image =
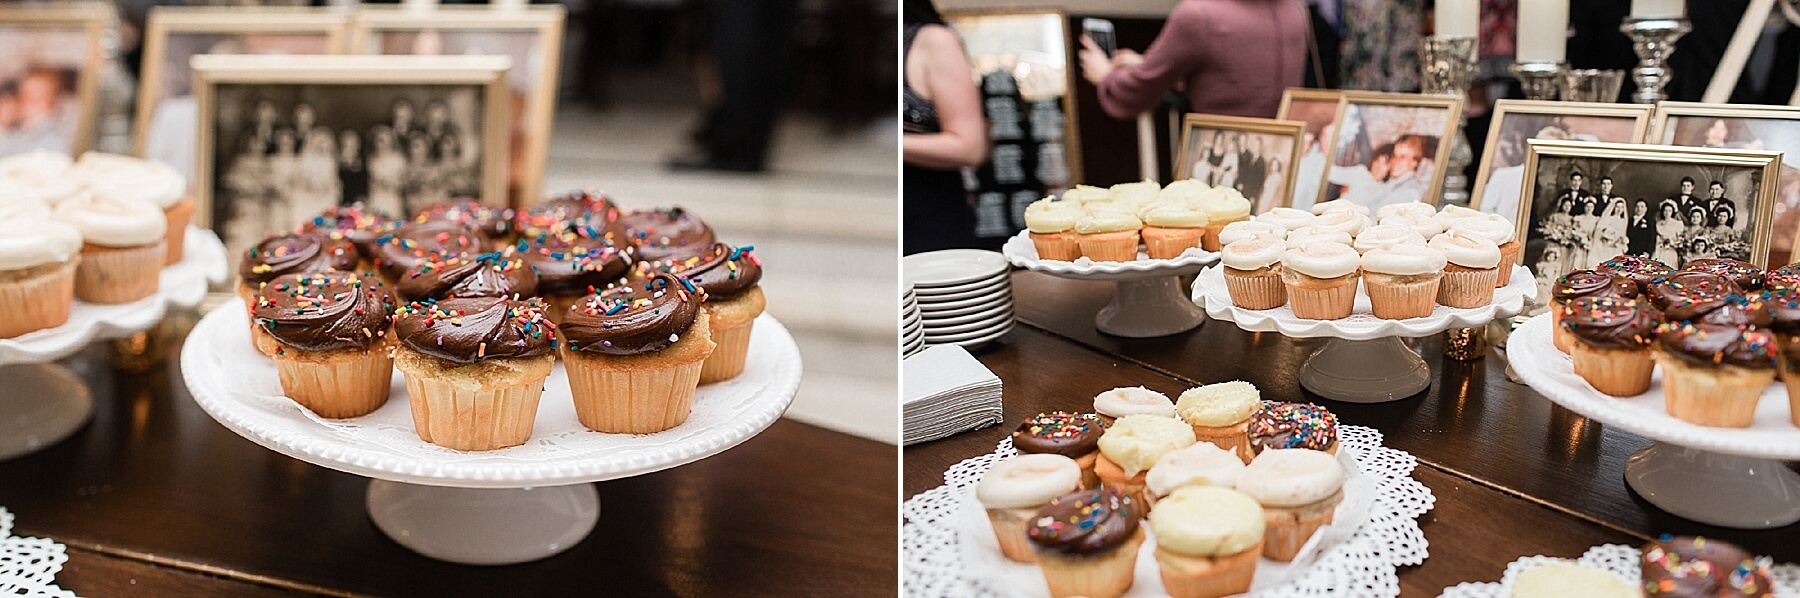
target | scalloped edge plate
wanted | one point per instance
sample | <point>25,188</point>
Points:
<point>1209,292</point>
<point>1022,253</point>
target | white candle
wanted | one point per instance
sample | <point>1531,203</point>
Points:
<point>1458,18</point>
<point>1543,30</point>
<point>1642,9</point>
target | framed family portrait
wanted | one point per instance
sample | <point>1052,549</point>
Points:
<point>1500,177</point>
<point>1389,147</point>
<point>1027,52</point>
<point>1585,202</point>
<point>396,132</point>
<point>1256,156</point>
<point>164,129</point>
<point>1317,109</point>
<point>1746,127</point>
<point>50,60</point>
<point>531,36</point>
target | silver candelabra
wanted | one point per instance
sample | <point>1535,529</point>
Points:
<point>1654,40</point>
<point>1539,79</point>
<point>1448,65</point>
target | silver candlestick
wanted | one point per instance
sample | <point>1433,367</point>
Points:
<point>1592,85</point>
<point>1654,40</point>
<point>1448,65</point>
<point>1539,79</point>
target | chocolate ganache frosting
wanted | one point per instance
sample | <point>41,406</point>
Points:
<point>354,223</point>
<point>1785,277</point>
<point>410,245</point>
<point>1060,432</point>
<point>669,233</point>
<point>475,329</point>
<point>493,222</point>
<point>299,253</point>
<point>495,274</point>
<point>576,209</point>
<point>1292,425</point>
<point>324,311</point>
<point>1087,522</point>
<point>1741,273</point>
<point>1694,567</point>
<point>1591,283</point>
<point>1641,270</point>
<point>1784,310</point>
<point>724,271</point>
<point>1611,322</point>
<point>1729,310</point>
<point>1714,344</point>
<point>569,263</point>
<point>635,319</point>
<point>1690,286</point>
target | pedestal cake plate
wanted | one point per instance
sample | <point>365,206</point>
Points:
<point>1149,301</point>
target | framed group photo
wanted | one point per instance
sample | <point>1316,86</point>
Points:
<point>1318,110</point>
<point>1586,202</point>
<point>284,137</point>
<point>1501,174</point>
<point>1389,148</point>
<point>1745,127</point>
<point>50,61</point>
<point>530,36</point>
<point>1256,156</point>
<point>164,129</point>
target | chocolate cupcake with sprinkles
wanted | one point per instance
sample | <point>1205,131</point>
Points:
<point>572,264</point>
<point>1293,426</point>
<point>475,369</point>
<point>730,277</point>
<point>634,355</point>
<point>419,242</point>
<point>356,223</point>
<point>328,334</point>
<point>494,274</point>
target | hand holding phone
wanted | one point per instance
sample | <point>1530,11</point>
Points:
<point>1101,32</point>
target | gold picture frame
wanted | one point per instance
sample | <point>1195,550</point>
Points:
<point>1639,113</point>
<point>1451,105</point>
<point>1540,234</point>
<point>1785,236</point>
<point>1318,109</point>
<point>92,20</point>
<point>545,21</point>
<point>1292,95</point>
<point>166,21</point>
<point>1192,124</point>
<point>1071,140</point>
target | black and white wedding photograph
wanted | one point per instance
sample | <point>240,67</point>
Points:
<point>1496,184</point>
<point>1252,155</point>
<point>1774,128</point>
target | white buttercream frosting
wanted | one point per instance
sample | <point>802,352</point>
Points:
<point>1492,227</point>
<point>1106,221</point>
<point>1291,477</point>
<point>128,178</point>
<point>1085,193</point>
<point>1452,213</point>
<point>1204,464</point>
<point>1287,218</point>
<point>1258,251</point>
<point>1349,222</point>
<point>1339,205</point>
<point>113,222</point>
<point>1309,234</point>
<point>1224,204</point>
<point>1386,234</point>
<point>1135,442</point>
<point>1027,481</point>
<point>1046,216</point>
<point>1405,260</point>
<point>1135,400</point>
<point>1426,226</point>
<point>1321,259</point>
<point>1465,250</point>
<point>1416,208</point>
<point>1134,194</point>
<point>1244,229</point>
<point>30,242</point>
<point>45,173</point>
<point>1170,214</point>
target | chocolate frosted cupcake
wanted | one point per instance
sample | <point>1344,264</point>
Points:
<point>729,275</point>
<point>328,333</point>
<point>1784,313</point>
<point>1087,542</point>
<point>666,233</point>
<point>420,242</point>
<point>496,274</point>
<point>1690,286</point>
<point>301,253</point>
<point>355,223</point>
<point>1713,375</point>
<point>634,355</point>
<point>1578,284</point>
<point>1072,435</point>
<point>573,210</point>
<point>1695,567</point>
<point>1728,310</point>
<point>1786,277</point>
<point>475,369</point>
<point>494,223</point>
<point>1641,270</point>
<point>1293,426</point>
<point>1746,276</point>
<point>1013,490</point>
<point>1612,343</point>
<point>571,265</point>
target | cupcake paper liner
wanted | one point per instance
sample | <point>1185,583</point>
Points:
<point>1056,246</point>
<point>1009,529</point>
<point>1111,476</point>
<point>729,321</point>
<point>1792,382</point>
<point>178,216</point>
<point>41,300</point>
<point>1616,372</point>
<point>1234,438</point>
<point>1559,336</point>
<point>1401,297</point>
<point>1286,529</point>
<point>111,275</point>
<point>1211,241</point>
<point>1186,576</point>
<point>1317,299</point>
<point>480,407</point>
<point>1107,574</point>
<point>1168,243</point>
<point>1109,247</point>
<point>1722,396</point>
<point>1509,257</point>
<point>1467,288</point>
<point>631,401</point>
<point>1257,291</point>
<point>336,384</point>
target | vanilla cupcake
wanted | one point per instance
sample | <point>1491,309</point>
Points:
<point>1136,400</point>
<point>1222,206</point>
<point>1473,265</point>
<point>38,261</point>
<point>122,254</point>
<point>1014,489</point>
<point>126,178</point>
<point>1712,374</point>
<point>1340,205</point>
<point>328,334</point>
<point>1171,228</point>
<point>1345,221</point>
<point>1426,226</point>
<point>1498,229</point>
<point>1318,234</point>
<point>1108,236</point>
<point>1321,279</point>
<point>1085,193</point>
<point>1287,218</point>
<point>1051,226</point>
<point>1136,194</point>
<point>1087,542</point>
<point>1244,229</point>
<point>1386,234</point>
<point>634,355</point>
<point>1132,445</point>
<point>1220,414</point>
<point>1252,272</point>
<point>1203,464</point>
<point>1402,280</point>
<point>1207,541</point>
<point>1299,491</point>
<point>1415,208</point>
<point>44,173</point>
<point>475,369</point>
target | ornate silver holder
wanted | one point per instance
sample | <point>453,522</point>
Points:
<point>1539,79</point>
<point>1592,85</point>
<point>1448,67</point>
<point>1654,40</point>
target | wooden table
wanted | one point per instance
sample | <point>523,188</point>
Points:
<point>1514,474</point>
<point>154,498</point>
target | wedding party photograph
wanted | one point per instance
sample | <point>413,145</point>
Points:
<point>1774,128</point>
<point>1388,148</point>
<point>1496,185</point>
<point>1255,156</point>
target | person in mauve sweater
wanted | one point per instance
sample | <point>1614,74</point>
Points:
<point>1231,57</point>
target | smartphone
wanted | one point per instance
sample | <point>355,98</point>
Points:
<point>1101,31</point>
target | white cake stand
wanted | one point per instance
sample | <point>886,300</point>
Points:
<point>1149,300</point>
<point>42,403</point>
<point>483,508</point>
<point>1365,361</point>
<point>1730,477</point>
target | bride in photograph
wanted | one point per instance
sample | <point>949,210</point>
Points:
<point>1668,233</point>
<point>1610,233</point>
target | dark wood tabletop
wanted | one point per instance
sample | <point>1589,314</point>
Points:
<point>154,498</point>
<point>1514,474</point>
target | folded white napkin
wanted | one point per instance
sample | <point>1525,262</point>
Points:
<point>946,391</point>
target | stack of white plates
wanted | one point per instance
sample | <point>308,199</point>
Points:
<point>964,296</point>
<point>912,328</point>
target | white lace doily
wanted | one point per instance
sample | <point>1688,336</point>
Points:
<point>940,547</point>
<point>1210,292</point>
<point>1023,253</point>
<point>1612,558</point>
<point>28,566</point>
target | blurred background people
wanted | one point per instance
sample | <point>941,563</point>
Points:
<point>753,44</point>
<point>1227,56</point>
<point>944,133</point>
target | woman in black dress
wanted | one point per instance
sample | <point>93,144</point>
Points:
<point>944,133</point>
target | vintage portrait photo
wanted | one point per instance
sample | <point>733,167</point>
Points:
<point>1589,202</point>
<point>1773,128</point>
<point>1318,109</point>
<point>1255,156</point>
<point>173,36</point>
<point>1498,182</point>
<point>1388,148</point>
<point>49,63</point>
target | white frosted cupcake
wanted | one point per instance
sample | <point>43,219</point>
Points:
<point>1252,272</point>
<point>1473,266</point>
<point>1132,445</point>
<point>1136,194</point>
<point>1222,206</point>
<point>1340,205</point>
<point>1220,414</point>
<point>19,203</point>
<point>1172,227</point>
<point>1207,541</point>
<point>1386,234</point>
<point>1318,234</point>
<point>1299,490</point>
<point>125,178</point>
<point>1013,490</point>
<point>1321,279</point>
<point>1136,400</point>
<point>1402,280</point>
<point>122,254</point>
<point>46,174</point>
<point>1051,226</point>
<point>1244,229</point>
<point>1086,193</point>
<point>1287,218</point>
<point>1345,221</point>
<point>1501,231</point>
<point>1451,214</point>
<point>1416,208</point>
<point>38,260</point>
<point>1108,236</point>
<point>1203,464</point>
<point>1426,226</point>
